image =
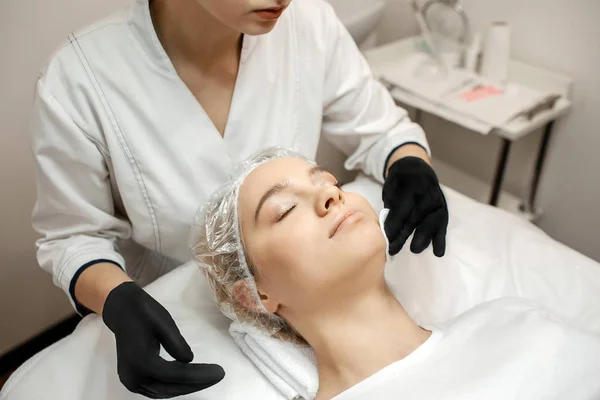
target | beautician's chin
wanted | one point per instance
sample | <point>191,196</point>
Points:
<point>258,28</point>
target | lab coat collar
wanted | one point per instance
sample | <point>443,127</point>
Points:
<point>143,28</point>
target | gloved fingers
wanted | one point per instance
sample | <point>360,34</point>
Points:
<point>175,372</point>
<point>149,393</point>
<point>170,337</point>
<point>397,216</point>
<point>162,390</point>
<point>439,239</point>
<point>397,243</point>
<point>426,231</point>
<point>396,246</point>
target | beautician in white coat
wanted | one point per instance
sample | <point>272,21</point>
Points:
<point>139,117</point>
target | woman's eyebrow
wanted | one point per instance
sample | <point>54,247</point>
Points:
<point>278,187</point>
<point>316,170</point>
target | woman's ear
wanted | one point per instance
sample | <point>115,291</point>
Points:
<point>242,293</point>
<point>270,304</point>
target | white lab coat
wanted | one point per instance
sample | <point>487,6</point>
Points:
<point>124,150</point>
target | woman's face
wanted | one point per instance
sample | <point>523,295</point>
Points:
<point>251,17</point>
<point>309,242</point>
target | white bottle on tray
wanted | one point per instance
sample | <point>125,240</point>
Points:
<point>496,52</point>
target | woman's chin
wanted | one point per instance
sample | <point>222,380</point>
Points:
<point>363,241</point>
<point>365,258</point>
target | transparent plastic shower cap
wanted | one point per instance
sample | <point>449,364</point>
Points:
<point>216,246</point>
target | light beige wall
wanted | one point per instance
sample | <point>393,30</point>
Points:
<point>398,22</point>
<point>558,35</point>
<point>29,31</point>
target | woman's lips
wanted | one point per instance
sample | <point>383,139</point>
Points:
<point>344,219</point>
<point>270,13</point>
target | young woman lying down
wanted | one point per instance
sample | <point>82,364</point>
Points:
<point>290,253</point>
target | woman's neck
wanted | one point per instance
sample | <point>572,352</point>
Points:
<point>354,340</point>
<point>190,34</point>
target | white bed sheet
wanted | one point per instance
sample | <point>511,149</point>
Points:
<point>490,254</point>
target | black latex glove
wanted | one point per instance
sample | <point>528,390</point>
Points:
<point>141,325</point>
<point>413,195</point>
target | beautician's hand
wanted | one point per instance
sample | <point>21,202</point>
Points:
<point>141,325</point>
<point>412,193</point>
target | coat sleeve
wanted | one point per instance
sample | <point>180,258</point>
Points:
<point>74,212</point>
<point>360,117</point>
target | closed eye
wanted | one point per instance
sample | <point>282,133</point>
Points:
<point>285,214</point>
<point>288,211</point>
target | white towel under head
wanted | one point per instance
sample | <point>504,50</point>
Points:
<point>291,368</point>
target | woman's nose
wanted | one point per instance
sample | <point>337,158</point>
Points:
<point>329,197</point>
